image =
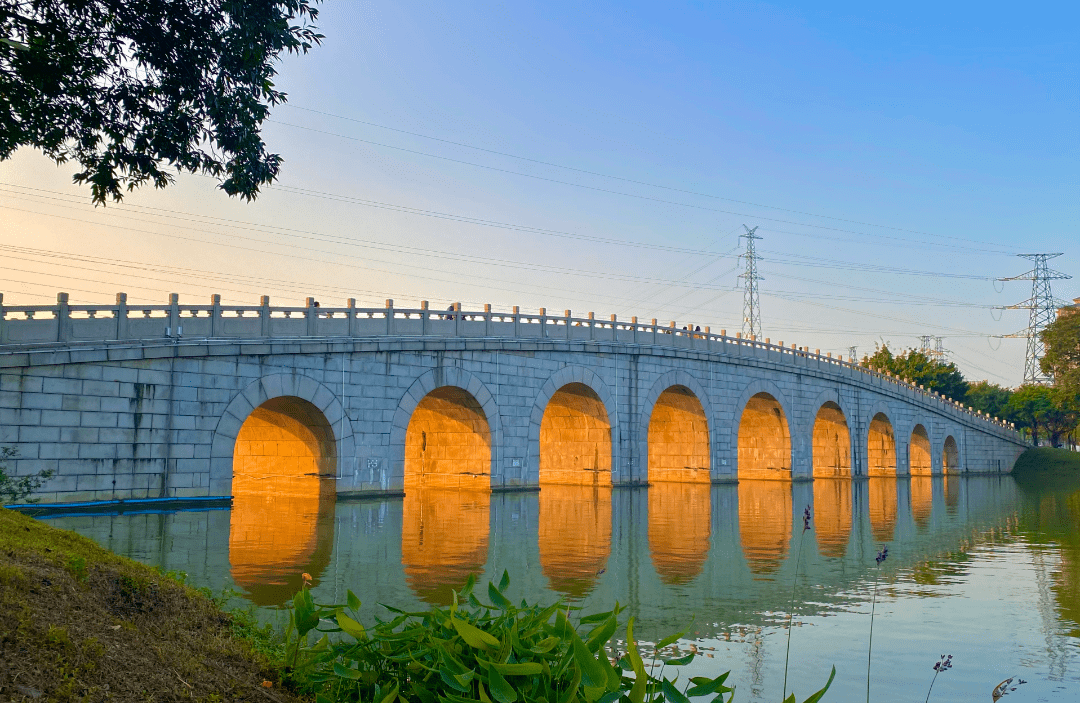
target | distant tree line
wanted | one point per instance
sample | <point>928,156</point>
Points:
<point>1041,412</point>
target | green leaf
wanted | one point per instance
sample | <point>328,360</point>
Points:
<point>681,661</point>
<point>704,685</point>
<point>346,673</point>
<point>497,598</point>
<point>592,672</point>
<point>459,682</point>
<point>351,627</point>
<point>520,669</point>
<point>671,638</point>
<point>389,696</point>
<point>637,691</point>
<point>352,600</point>
<point>671,693</point>
<point>474,636</point>
<point>504,581</point>
<point>572,689</point>
<point>501,690</point>
<point>601,634</point>
<point>817,696</point>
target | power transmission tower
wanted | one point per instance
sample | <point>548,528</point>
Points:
<point>932,346</point>
<point>1042,310</point>
<point>853,353</point>
<point>751,300</point>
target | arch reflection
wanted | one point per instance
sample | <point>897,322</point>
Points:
<point>881,506</point>
<point>922,500</point>
<point>764,523</point>
<point>832,515</point>
<point>282,519</point>
<point>680,521</point>
<point>444,539</point>
<point>574,535</point>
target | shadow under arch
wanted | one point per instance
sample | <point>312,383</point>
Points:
<point>880,447</point>
<point>574,536</point>
<point>831,442</point>
<point>678,438</point>
<point>950,456</point>
<point>282,519</point>
<point>448,442</point>
<point>920,462</point>
<point>444,539</point>
<point>764,439</point>
<point>680,520</point>
<point>575,438</point>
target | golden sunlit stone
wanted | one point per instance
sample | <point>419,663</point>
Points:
<point>448,442</point>
<point>832,442</point>
<point>919,452</point>
<point>574,535</point>
<point>764,523</point>
<point>575,439</point>
<point>678,438</point>
<point>764,440</point>
<point>881,447</point>
<point>444,539</point>
<point>680,521</point>
<point>832,515</point>
<point>281,523</point>
<point>922,499</point>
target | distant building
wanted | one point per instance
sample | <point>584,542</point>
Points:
<point>1070,309</point>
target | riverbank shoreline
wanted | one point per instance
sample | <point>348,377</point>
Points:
<point>1046,464</point>
<point>78,622</point>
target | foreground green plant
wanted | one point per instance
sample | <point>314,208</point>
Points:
<point>474,651</point>
<point>12,489</point>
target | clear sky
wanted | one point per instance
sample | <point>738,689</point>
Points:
<point>604,157</point>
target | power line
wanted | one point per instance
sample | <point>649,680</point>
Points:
<point>982,245</point>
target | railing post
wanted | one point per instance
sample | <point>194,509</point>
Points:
<point>2,321</point>
<point>566,314</point>
<point>215,315</point>
<point>423,318</point>
<point>708,338</point>
<point>654,332</point>
<point>457,319</point>
<point>614,328</point>
<point>264,316</point>
<point>62,314</point>
<point>517,322</point>
<point>634,325</point>
<point>543,322</point>
<point>121,316</point>
<point>174,315</point>
<point>487,319</point>
<point>592,326</point>
<point>389,316</point>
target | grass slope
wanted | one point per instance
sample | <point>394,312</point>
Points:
<point>79,623</point>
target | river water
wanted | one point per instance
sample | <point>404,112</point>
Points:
<point>980,568</point>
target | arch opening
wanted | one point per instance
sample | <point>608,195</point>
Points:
<point>764,442</point>
<point>832,442</point>
<point>919,461</point>
<point>764,524</point>
<point>881,447</point>
<point>574,536</point>
<point>448,442</point>
<point>680,521</point>
<point>950,456</point>
<point>678,438</point>
<point>575,438</point>
<point>284,461</point>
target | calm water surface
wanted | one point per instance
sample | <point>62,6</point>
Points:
<point>979,568</point>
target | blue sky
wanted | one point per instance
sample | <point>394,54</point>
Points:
<point>871,146</point>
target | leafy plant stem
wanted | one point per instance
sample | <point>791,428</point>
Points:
<point>870,646</point>
<point>936,672</point>
<point>791,610</point>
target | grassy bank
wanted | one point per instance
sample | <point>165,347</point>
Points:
<point>78,622</point>
<point>1045,467</point>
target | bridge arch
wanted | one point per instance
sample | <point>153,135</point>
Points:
<point>573,426</point>
<point>256,394</point>
<point>677,412</point>
<point>462,399</point>
<point>762,438</point>
<point>950,455</point>
<point>831,438</point>
<point>920,454</point>
<point>880,438</point>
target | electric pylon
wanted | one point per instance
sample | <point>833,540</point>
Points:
<point>751,300</point>
<point>932,346</point>
<point>1042,310</point>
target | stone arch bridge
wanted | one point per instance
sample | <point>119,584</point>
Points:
<point>140,401</point>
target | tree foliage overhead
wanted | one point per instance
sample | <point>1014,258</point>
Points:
<point>1062,356</point>
<point>919,368</point>
<point>135,89</point>
<point>989,398</point>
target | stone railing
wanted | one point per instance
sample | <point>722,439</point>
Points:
<point>64,324</point>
